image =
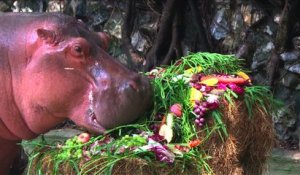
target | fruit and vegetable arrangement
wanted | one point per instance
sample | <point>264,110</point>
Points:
<point>193,99</point>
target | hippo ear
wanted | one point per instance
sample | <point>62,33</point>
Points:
<point>48,36</point>
<point>105,39</point>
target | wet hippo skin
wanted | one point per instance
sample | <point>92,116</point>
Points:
<point>53,68</point>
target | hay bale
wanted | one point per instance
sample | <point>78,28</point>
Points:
<point>128,166</point>
<point>248,145</point>
<point>244,151</point>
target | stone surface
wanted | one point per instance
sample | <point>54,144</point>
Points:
<point>3,7</point>
<point>252,14</point>
<point>290,56</point>
<point>290,80</point>
<point>293,68</point>
<point>283,162</point>
<point>219,27</point>
<point>53,136</point>
<point>261,55</point>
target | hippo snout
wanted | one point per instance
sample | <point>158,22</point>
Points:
<point>138,84</point>
<point>127,99</point>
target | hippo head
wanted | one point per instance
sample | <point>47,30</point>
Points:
<point>69,74</point>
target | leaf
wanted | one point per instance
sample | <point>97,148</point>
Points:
<point>210,81</point>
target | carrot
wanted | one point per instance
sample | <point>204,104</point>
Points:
<point>222,79</point>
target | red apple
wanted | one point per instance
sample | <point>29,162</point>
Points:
<point>176,109</point>
<point>84,137</point>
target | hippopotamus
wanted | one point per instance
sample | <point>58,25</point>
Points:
<point>52,68</point>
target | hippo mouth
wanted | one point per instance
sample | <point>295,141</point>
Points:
<point>112,107</point>
<point>96,127</point>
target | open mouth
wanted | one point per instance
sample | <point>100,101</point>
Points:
<point>97,127</point>
<point>92,116</point>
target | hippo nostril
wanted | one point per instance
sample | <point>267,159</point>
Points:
<point>133,85</point>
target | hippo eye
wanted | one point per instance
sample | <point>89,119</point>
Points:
<point>77,51</point>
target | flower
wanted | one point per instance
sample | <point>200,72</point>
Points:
<point>222,86</point>
<point>211,98</point>
<point>235,88</point>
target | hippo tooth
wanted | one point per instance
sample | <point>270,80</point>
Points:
<point>94,119</point>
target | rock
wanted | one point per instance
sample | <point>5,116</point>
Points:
<point>97,21</point>
<point>4,7</point>
<point>56,6</point>
<point>138,42</point>
<point>252,14</point>
<point>222,4</point>
<point>277,18</point>
<point>293,68</point>
<point>237,21</point>
<point>114,25</point>
<point>296,95</point>
<point>268,30</point>
<point>260,78</point>
<point>283,93</point>
<point>285,154</point>
<point>283,120</point>
<point>53,136</point>
<point>283,162</point>
<point>290,80</point>
<point>219,26</point>
<point>19,7</point>
<point>261,55</point>
<point>290,56</point>
<point>296,43</point>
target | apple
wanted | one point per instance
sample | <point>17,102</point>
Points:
<point>176,109</point>
<point>83,137</point>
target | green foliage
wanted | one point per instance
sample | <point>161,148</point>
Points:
<point>262,96</point>
<point>212,63</point>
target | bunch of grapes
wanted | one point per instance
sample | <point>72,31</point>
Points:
<point>200,109</point>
